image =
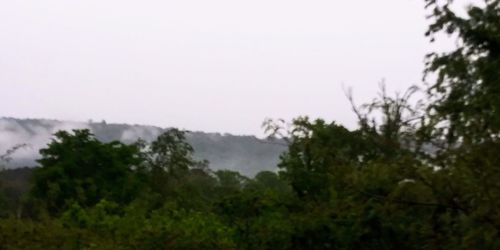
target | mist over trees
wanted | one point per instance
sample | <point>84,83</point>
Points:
<point>414,175</point>
<point>246,154</point>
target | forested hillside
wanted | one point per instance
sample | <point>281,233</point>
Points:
<point>419,173</point>
<point>246,154</point>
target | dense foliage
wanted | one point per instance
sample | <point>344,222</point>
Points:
<point>414,175</point>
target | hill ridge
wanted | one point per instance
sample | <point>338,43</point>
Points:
<point>244,153</point>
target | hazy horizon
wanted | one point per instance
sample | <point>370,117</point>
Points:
<point>218,66</point>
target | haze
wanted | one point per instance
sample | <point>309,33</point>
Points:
<point>219,65</point>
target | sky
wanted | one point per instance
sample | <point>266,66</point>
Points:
<point>215,66</point>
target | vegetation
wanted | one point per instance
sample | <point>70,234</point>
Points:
<point>414,175</point>
<point>245,154</point>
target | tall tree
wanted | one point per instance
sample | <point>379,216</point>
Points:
<point>171,153</point>
<point>467,91</point>
<point>170,162</point>
<point>464,118</point>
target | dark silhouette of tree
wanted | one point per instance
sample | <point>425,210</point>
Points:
<point>77,168</point>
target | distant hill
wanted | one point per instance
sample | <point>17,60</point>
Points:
<point>246,154</point>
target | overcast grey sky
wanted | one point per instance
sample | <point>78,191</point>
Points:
<point>210,65</point>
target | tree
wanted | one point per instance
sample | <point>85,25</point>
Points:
<point>170,164</point>
<point>171,153</point>
<point>316,154</point>
<point>467,91</point>
<point>7,200</point>
<point>270,181</point>
<point>78,168</point>
<point>464,119</point>
<point>230,182</point>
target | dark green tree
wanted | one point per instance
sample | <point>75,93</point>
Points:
<point>78,168</point>
<point>466,94</point>
<point>463,123</point>
<point>230,182</point>
<point>172,169</point>
<point>171,153</point>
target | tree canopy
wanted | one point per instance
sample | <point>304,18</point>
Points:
<point>414,174</point>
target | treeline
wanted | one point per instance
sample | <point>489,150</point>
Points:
<point>245,154</point>
<point>414,175</point>
<point>149,196</point>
